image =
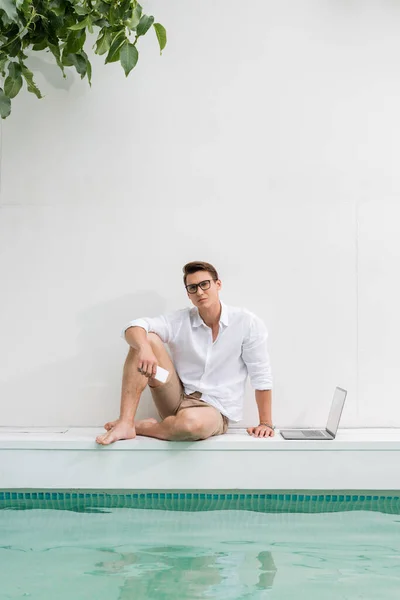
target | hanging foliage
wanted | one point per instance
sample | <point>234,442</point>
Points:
<point>61,27</point>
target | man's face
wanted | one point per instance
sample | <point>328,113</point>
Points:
<point>203,298</point>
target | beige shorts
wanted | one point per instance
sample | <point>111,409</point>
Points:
<point>170,398</point>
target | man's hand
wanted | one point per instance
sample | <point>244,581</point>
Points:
<point>261,431</point>
<point>147,361</point>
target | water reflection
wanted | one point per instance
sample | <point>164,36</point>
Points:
<point>268,570</point>
<point>189,572</point>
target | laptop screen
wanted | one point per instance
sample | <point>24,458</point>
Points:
<point>336,410</point>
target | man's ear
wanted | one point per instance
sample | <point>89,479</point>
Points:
<point>219,283</point>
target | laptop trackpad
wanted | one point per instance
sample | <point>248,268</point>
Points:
<point>300,435</point>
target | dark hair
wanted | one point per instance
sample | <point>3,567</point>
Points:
<point>197,265</point>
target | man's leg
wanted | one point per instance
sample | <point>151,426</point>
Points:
<point>133,384</point>
<point>188,424</point>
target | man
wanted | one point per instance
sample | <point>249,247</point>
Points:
<point>214,347</point>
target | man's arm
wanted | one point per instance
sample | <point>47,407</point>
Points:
<point>136,337</point>
<point>264,402</point>
<point>141,327</point>
<point>256,357</point>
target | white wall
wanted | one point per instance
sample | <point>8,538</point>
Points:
<point>265,140</point>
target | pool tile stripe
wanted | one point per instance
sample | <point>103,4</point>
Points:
<point>260,501</point>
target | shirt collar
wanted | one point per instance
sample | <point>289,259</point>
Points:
<point>197,320</point>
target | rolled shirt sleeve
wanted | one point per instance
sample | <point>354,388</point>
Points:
<point>255,354</point>
<point>159,325</point>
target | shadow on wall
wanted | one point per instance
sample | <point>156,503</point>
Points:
<point>83,390</point>
<point>52,73</point>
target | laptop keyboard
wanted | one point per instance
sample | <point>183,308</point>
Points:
<point>311,433</point>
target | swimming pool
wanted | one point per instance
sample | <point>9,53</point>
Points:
<point>187,545</point>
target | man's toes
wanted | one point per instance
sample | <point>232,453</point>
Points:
<point>103,439</point>
<point>109,425</point>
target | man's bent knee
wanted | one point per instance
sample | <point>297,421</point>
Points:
<point>190,428</point>
<point>153,339</point>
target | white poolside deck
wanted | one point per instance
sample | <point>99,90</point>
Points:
<point>69,458</point>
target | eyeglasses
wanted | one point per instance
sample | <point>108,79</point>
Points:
<point>204,285</point>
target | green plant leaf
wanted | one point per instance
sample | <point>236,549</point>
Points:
<point>128,57</point>
<point>81,10</point>
<point>134,20</point>
<point>5,105</point>
<point>66,61</point>
<point>123,10</point>
<point>88,67</point>
<point>9,8</point>
<point>58,7</point>
<point>103,8</point>
<point>100,23</point>
<point>40,45</point>
<point>144,25</point>
<point>75,41</point>
<point>12,86</point>
<point>3,61</point>
<point>161,35</point>
<point>113,53</point>
<point>14,47</point>
<point>55,50</point>
<point>14,70</point>
<point>28,76</point>
<point>89,71</point>
<point>56,25</point>
<point>81,24</point>
<point>103,42</point>
<point>13,82</point>
<point>24,6</point>
<point>79,63</point>
<point>87,22</point>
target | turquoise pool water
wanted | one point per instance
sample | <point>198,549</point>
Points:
<point>136,546</point>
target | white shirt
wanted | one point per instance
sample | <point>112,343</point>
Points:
<point>216,369</point>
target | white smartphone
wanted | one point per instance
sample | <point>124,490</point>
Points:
<point>161,374</point>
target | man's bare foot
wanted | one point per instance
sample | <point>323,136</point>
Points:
<point>120,430</point>
<point>144,424</point>
<point>110,424</point>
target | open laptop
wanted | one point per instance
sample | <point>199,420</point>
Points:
<point>331,427</point>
